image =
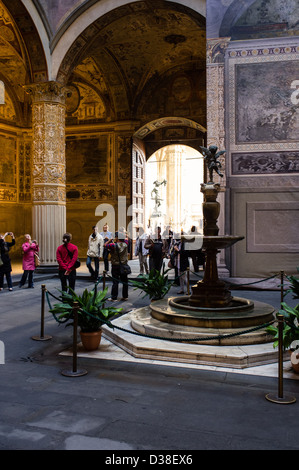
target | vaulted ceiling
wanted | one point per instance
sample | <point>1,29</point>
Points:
<point>139,59</point>
<point>142,61</point>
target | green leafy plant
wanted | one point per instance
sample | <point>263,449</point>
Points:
<point>291,316</point>
<point>92,312</point>
<point>290,328</point>
<point>294,287</point>
<point>155,285</point>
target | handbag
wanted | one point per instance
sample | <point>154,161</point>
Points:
<point>36,259</point>
<point>124,267</point>
<point>77,263</point>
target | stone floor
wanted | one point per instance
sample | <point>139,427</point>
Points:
<point>129,403</point>
<point>129,346</point>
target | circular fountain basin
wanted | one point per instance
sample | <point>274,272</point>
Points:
<point>239,313</point>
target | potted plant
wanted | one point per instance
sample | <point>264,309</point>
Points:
<point>92,314</point>
<point>290,336</point>
<point>155,285</point>
<point>290,328</point>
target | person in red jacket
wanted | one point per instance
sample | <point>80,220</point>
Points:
<point>67,255</point>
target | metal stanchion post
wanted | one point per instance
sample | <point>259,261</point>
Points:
<point>42,336</point>
<point>281,286</point>
<point>270,396</point>
<point>74,372</point>
<point>188,281</point>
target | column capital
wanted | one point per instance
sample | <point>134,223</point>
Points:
<point>52,91</point>
<point>216,48</point>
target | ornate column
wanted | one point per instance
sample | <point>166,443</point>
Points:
<point>215,118</point>
<point>49,201</point>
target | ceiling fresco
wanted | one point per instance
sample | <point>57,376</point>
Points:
<point>21,59</point>
<point>143,62</point>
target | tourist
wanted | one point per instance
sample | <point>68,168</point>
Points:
<point>107,237</point>
<point>157,250</point>
<point>141,251</point>
<point>119,255</point>
<point>67,255</point>
<point>94,252</point>
<point>182,263</point>
<point>5,263</point>
<point>197,256</point>
<point>29,248</point>
<point>168,235</point>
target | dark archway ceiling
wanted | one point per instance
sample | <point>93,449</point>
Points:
<point>143,60</point>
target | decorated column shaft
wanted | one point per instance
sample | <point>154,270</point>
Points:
<point>49,206</point>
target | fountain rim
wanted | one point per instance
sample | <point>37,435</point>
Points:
<point>180,302</point>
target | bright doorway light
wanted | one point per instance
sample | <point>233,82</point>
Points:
<point>172,189</point>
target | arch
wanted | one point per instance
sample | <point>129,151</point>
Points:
<point>143,133</point>
<point>69,39</point>
<point>35,40</point>
<point>166,122</point>
<point>232,15</point>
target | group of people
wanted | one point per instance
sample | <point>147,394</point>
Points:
<point>30,250</point>
<point>156,247</point>
<point>103,244</point>
<point>100,245</point>
<point>151,250</point>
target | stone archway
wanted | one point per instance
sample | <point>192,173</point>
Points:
<point>150,138</point>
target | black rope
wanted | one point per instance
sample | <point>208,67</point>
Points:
<point>200,338</point>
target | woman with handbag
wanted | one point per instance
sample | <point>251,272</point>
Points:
<point>120,268</point>
<point>30,249</point>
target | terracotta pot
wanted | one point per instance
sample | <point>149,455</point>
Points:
<point>91,340</point>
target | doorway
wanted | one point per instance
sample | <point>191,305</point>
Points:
<point>166,189</point>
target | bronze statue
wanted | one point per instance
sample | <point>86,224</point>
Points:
<point>155,193</point>
<point>211,158</point>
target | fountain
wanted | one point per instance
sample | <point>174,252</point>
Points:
<point>211,306</point>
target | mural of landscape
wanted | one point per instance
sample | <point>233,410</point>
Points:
<point>267,113</point>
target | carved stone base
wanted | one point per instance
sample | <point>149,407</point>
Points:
<point>215,295</point>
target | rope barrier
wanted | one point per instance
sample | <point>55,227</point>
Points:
<point>201,338</point>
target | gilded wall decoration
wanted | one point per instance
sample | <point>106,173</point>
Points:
<point>7,111</point>
<point>88,192</point>
<point>124,166</point>
<point>85,104</point>
<point>25,178</point>
<point>7,161</point>
<point>87,159</point>
<point>48,141</point>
